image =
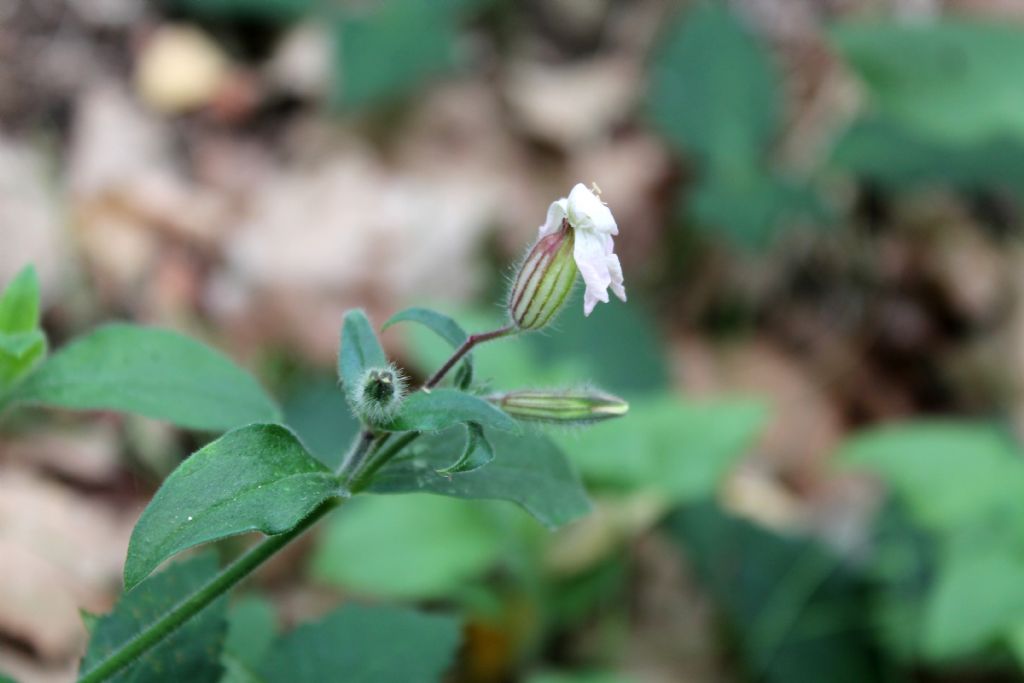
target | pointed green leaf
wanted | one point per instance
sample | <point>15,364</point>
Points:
<point>19,303</point>
<point>444,327</point>
<point>256,478</point>
<point>19,353</point>
<point>22,343</point>
<point>151,372</point>
<point>478,452</point>
<point>714,88</point>
<point>528,469</point>
<point>359,351</point>
<point>439,409</point>
<point>190,653</point>
<point>366,644</point>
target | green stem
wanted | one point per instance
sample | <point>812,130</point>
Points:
<point>466,347</point>
<point>356,455</point>
<point>202,597</point>
<point>363,479</point>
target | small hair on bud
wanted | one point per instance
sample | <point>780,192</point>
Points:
<point>567,407</point>
<point>380,396</point>
<point>543,281</point>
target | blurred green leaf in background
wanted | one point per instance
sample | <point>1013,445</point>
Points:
<point>942,103</point>
<point>714,93</point>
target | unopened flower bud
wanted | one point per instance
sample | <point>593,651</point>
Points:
<point>561,406</point>
<point>544,280</point>
<point>380,395</point>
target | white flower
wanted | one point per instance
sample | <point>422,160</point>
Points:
<point>593,225</point>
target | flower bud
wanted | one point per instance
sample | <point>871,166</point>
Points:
<point>544,280</point>
<point>561,406</point>
<point>381,392</point>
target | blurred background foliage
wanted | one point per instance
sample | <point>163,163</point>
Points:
<point>821,477</point>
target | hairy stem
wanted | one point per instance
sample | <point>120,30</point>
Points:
<point>364,478</point>
<point>202,597</point>
<point>466,347</point>
<point>356,455</point>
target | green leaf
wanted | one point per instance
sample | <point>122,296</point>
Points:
<point>370,545</point>
<point>252,626</point>
<point>22,344</point>
<point>385,50</point>
<point>715,93</point>
<point>954,81</point>
<point>797,611</point>
<point>528,469</point>
<point>444,327</point>
<point>1015,638</point>
<point>20,352</point>
<point>949,473</point>
<point>368,645</point>
<point>713,89</point>
<point>478,452</point>
<point>901,157</point>
<point>442,408</point>
<point>977,599</point>
<point>751,206</point>
<point>190,653</point>
<point>151,372</point>
<point>682,449</point>
<point>19,303</point>
<point>256,478</point>
<point>359,351</point>
<point>321,417</point>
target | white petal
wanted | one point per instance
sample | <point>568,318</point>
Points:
<point>591,257</point>
<point>587,212</point>
<point>557,212</point>
<point>615,270</point>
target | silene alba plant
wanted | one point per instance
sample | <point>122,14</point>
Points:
<point>448,437</point>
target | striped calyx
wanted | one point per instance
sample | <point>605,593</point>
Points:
<point>561,406</point>
<point>544,280</point>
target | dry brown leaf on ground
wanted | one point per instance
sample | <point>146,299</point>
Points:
<point>672,634</point>
<point>88,454</point>
<point>805,425</point>
<point>61,551</point>
<point>575,103</point>
<point>350,228</point>
<point>25,669</point>
<point>30,222</point>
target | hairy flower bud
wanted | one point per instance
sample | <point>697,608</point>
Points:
<point>381,392</point>
<point>544,280</point>
<point>561,406</point>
